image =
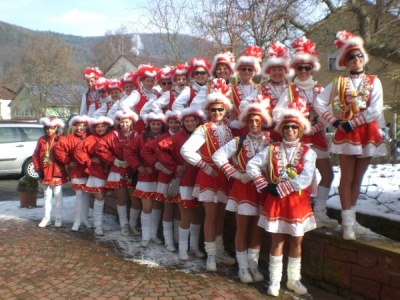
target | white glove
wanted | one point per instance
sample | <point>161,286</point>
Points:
<point>237,175</point>
<point>124,164</point>
<point>245,178</point>
<point>117,163</point>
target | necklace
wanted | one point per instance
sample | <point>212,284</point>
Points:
<point>47,158</point>
<point>275,87</point>
<point>309,95</point>
<point>289,171</point>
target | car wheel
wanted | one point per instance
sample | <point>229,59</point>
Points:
<point>29,169</point>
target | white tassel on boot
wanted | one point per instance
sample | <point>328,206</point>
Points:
<point>134,215</point>
<point>155,222</point>
<point>243,262</point>
<point>348,225</point>
<point>194,241</point>
<point>48,195</point>
<point>78,210</point>
<point>85,210</point>
<point>275,275</point>
<point>123,219</point>
<point>294,276</point>
<point>58,197</point>
<point>183,243</point>
<point>146,224</point>
<point>253,256</point>
<point>168,236</point>
<point>320,215</point>
<point>222,255</point>
<point>211,249</point>
<point>98,207</point>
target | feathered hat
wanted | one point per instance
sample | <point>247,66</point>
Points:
<point>128,114</point>
<point>144,71</point>
<point>114,84</point>
<point>52,122</point>
<point>199,63</point>
<point>345,42</point>
<point>101,120</point>
<point>101,84</point>
<point>180,69</point>
<point>305,53</point>
<point>164,74</point>
<point>129,77</point>
<point>297,112</point>
<point>277,56</point>
<point>154,117</point>
<point>260,107</point>
<point>172,115</point>
<point>92,73</point>
<point>252,57</point>
<point>192,112</point>
<point>225,57</point>
<point>79,119</point>
<point>219,94</point>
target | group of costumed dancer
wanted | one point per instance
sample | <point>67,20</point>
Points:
<point>252,149</point>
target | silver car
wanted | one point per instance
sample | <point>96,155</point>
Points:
<point>17,143</point>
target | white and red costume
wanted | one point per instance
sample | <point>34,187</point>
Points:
<point>91,95</point>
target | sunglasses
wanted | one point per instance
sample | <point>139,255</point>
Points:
<point>102,91</point>
<point>215,109</point>
<point>165,83</point>
<point>250,122</point>
<point>294,127</point>
<point>301,68</point>
<point>200,72</point>
<point>353,56</point>
<point>246,69</point>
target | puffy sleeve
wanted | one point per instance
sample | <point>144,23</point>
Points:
<point>322,105</point>
<point>222,155</point>
<point>182,100</point>
<point>165,153</point>
<point>81,153</point>
<point>130,102</point>
<point>257,166</point>
<point>60,150</point>
<point>158,105</point>
<point>189,149</point>
<point>132,152</point>
<point>148,152</point>
<point>104,149</point>
<point>248,100</point>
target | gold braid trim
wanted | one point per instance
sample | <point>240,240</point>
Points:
<point>273,178</point>
<point>339,88</point>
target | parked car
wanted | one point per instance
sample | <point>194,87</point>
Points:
<point>17,143</point>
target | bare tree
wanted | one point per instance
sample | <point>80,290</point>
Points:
<point>48,74</point>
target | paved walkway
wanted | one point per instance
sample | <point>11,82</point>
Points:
<point>55,263</point>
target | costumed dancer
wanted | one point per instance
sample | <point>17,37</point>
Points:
<point>223,65</point>
<point>110,150</point>
<point>51,172</point>
<point>168,154</point>
<point>147,180</point>
<point>180,80</point>
<point>101,106</point>
<point>165,176</point>
<point>64,152</point>
<point>85,154</point>
<point>199,71</point>
<point>90,75</point>
<point>247,66</point>
<point>352,104</point>
<point>164,79</point>
<point>244,200</point>
<point>211,187</point>
<point>305,89</point>
<point>289,167</point>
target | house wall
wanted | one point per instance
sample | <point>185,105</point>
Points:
<point>120,67</point>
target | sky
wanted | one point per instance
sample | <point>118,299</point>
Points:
<point>75,17</point>
<point>379,196</point>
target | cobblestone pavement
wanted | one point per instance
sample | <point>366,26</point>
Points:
<point>52,263</point>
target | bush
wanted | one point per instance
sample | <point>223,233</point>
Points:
<point>27,184</point>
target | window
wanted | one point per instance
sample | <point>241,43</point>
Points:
<point>10,135</point>
<point>32,133</point>
<point>332,62</point>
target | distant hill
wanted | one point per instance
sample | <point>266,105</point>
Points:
<point>14,39</point>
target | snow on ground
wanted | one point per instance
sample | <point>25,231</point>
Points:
<point>380,195</point>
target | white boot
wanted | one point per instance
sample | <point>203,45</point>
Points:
<point>223,256</point>
<point>252,256</point>
<point>211,249</point>
<point>183,243</point>
<point>146,223</point>
<point>168,236</point>
<point>320,216</point>
<point>155,222</point>
<point>48,194</point>
<point>194,241</point>
<point>358,228</point>
<point>293,272</point>
<point>243,262</point>
<point>58,197</point>
<point>348,225</point>
<point>78,210</point>
<point>134,215</point>
<point>275,275</point>
<point>98,207</point>
<point>123,219</point>
<point>85,210</point>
